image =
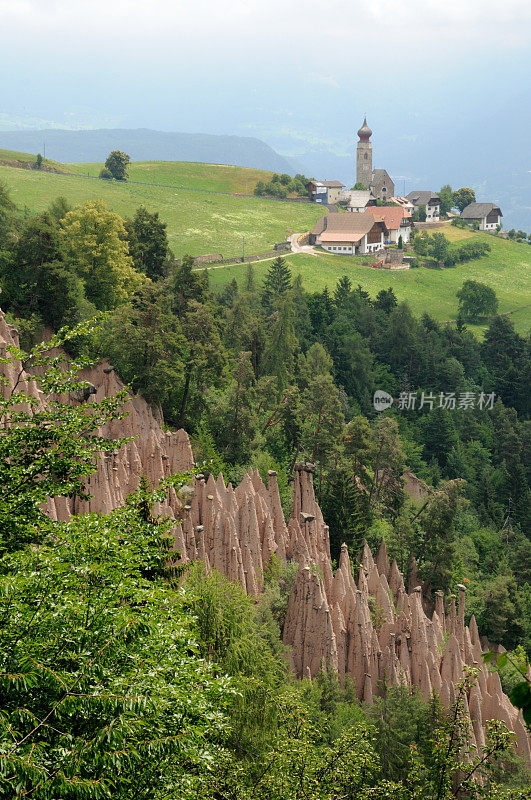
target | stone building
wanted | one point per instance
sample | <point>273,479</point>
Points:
<point>377,180</point>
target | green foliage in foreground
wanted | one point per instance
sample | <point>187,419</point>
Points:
<point>45,449</point>
<point>102,688</point>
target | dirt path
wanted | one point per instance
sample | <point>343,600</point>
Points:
<point>239,263</point>
<point>297,248</point>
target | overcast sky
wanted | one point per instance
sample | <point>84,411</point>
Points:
<point>284,70</point>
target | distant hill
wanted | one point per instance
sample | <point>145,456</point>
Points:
<point>147,145</point>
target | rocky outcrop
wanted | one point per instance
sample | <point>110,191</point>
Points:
<point>372,629</point>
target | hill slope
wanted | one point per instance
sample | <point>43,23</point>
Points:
<point>205,223</point>
<point>189,174</point>
<point>141,144</point>
<point>506,268</point>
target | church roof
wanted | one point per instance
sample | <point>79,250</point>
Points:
<point>364,132</point>
<point>479,210</point>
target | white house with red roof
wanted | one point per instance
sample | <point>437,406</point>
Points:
<point>349,234</point>
<point>397,221</point>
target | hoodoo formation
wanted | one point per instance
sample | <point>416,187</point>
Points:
<point>330,618</point>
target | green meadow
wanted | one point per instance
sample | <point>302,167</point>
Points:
<point>14,155</point>
<point>192,175</point>
<point>214,223</point>
<point>507,268</point>
<point>204,223</point>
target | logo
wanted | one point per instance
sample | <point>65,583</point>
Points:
<point>382,400</point>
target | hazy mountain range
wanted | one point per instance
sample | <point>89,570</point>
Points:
<point>146,145</point>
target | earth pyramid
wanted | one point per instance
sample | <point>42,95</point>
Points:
<point>330,618</point>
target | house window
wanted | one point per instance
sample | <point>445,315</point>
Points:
<point>365,156</point>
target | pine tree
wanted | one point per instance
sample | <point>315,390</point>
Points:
<point>342,291</point>
<point>249,279</point>
<point>276,284</point>
<point>281,343</point>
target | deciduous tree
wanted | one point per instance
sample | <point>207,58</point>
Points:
<point>93,240</point>
<point>117,163</point>
<point>463,197</point>
<point>148,243</point>
<point>476,300</point>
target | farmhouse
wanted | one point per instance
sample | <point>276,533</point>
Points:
<point>377,180</point>
<point>359,200</point>
<point>327,192</point>
<point>487,214</point>
<point>430,201</point>
<point>350,234</point>
<point>397,221</point>
<point>404,202</point>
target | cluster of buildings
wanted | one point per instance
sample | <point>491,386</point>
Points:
<point>376,215</point>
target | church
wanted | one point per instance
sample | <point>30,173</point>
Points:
<point>377,180</point>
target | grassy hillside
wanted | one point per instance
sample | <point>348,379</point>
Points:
<point>8,157</point>
<point>213,177</point>
<point>206,223</point>
<point>506,268</point>
<point>215,223</point>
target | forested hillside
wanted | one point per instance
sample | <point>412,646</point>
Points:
<point>262,373</point>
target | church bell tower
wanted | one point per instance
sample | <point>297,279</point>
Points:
<point>364,156</point>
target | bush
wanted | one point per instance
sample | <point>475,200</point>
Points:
<point>105,174</point>
<point>281,185</point>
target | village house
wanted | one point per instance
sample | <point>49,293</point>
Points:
<point>487,214</point>
<point>397,221</point>
<point>350,234</point>
<point>430,201</point>
<point>404,202</point>
<point>358,200</point>
<point>326,192</point>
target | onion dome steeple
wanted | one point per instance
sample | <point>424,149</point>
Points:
<point>365,132</point>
